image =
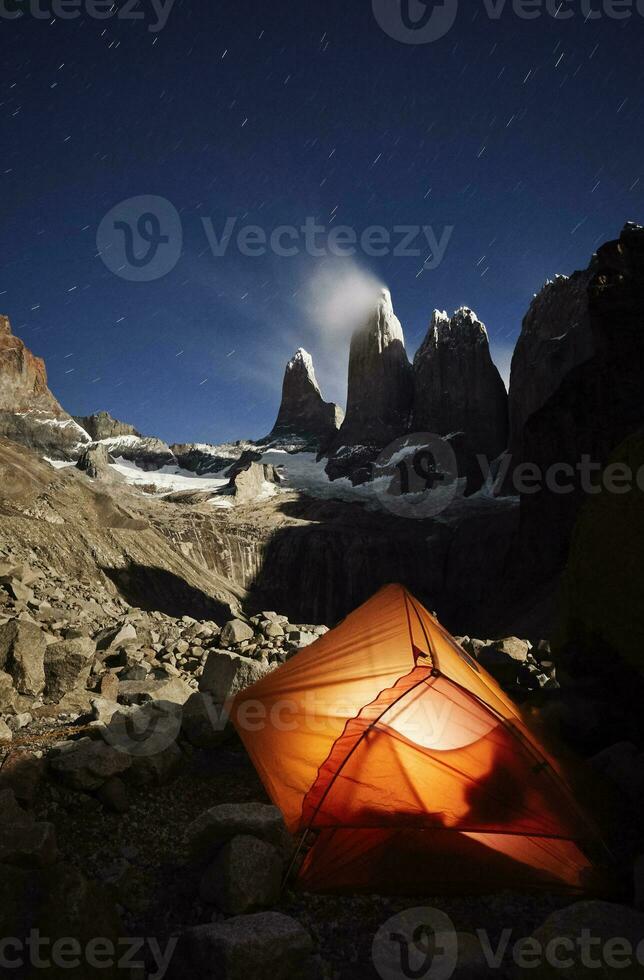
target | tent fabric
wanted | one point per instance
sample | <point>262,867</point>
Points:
<point>408,764</point>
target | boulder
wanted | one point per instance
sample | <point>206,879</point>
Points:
<point>67,666</point>
<point>6,735</point>
<point>22,652</point>
<point>114,636</point>
<point>303,413</point>
<point>213,828</point>
<point>171,689</point>
<point>246,874</point>
<point>24,842</point>
<point>143,731</point>
<point>22,773</point>
<point>205,723</point>
<point>8,693</point>
<point>95,460</point>
<point>264,946</point>
<point>611,930</point>
<point>225,674</point>
<point>512,647</point>
<point>236,631</point>
<point>58,902</point>
<point>86,764</point>
<point>155,770</point>
<point>253,482</point>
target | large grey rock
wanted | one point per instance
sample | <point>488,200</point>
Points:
<point>236,631</point>
<point>154,689</point>
<point>225,674</point>
<point>246,874</point>
<point>8,693</point>
<point>114,636</point>
<point>252,482</point>
<point>205,722</point>
<point>67,666</point>
<point>22,652</point>
<point>603,923</point>
<point>264,946</point>
<point>207,834</point>
<point>380,386</point>
<point>457,386</point>
<point>94,460</point>
<point>24,842</point>
<point>303,412</point>
<point>142,732</point>
<point>87,764</point>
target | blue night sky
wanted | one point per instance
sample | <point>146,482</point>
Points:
<point>524,136</point>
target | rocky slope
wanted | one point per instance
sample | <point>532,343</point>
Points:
<point>303,413</point>
<point>29,413</point>
<point>380,390</point>
<point>458,389</point>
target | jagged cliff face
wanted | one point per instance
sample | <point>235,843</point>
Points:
<point>457,387</point>
<point>556,336</point>
<point>598,404</point>
<point>101,425</point>
<point>24,377</point>
<point>29,413</point>
<point>380,389</point>
<point>303,412</point>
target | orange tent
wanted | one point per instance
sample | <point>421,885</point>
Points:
<point>413,770</point>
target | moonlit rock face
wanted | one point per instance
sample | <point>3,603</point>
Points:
<point>380,389</point>
<point>457,386</point>
<point>556,336</point>
<point>303,412</point>
<point>29,413</point>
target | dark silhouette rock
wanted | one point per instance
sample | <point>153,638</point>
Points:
<point>303,412</point>
<point>596,407</point>
<point>555,337</point>
<point>458,388</point>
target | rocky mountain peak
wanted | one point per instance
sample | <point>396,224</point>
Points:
<point>380,385</point>
<point>101,425</point>
<point>303,413</point>
<point>458,388</point>
<point>23,377</point>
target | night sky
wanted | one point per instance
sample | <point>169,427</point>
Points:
<point>524,136</point>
